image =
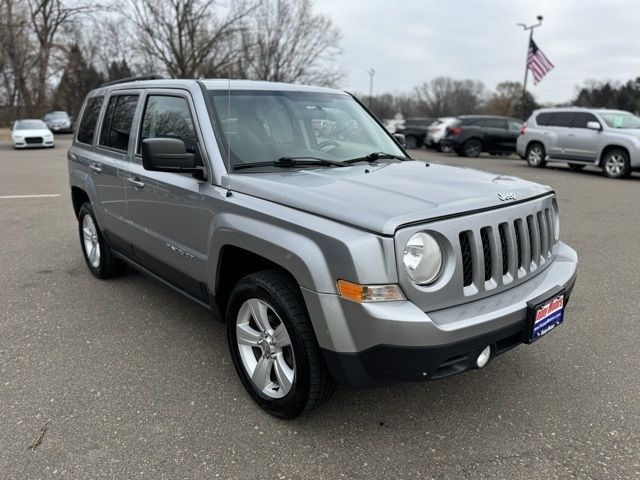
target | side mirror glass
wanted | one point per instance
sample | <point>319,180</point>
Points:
<point>594,125</point>
<point>168,155</point>
<point>400,138</point>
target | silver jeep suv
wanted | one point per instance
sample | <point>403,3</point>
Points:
<point>293,216</point>
<point>609,139</point>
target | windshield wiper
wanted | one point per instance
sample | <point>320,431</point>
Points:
<point>375,156</point>
<point>289,162</point>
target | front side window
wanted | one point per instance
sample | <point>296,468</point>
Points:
<point>514,125</point>
<point>116,127</point>
<point>620,120</point>
<point>264,126</point>
<point>580,119</point>
<point>495,123</point>
<point>87,126</point>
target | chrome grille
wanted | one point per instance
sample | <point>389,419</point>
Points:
<point>498,254</point>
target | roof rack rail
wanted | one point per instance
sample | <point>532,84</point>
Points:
<point>151,76</point>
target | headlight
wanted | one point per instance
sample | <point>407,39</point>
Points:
<point>423,258</point>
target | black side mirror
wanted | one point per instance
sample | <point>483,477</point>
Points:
<point>168,155</point>
<point>401,139</point>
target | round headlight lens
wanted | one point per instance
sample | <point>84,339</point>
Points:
<point>423,258</point>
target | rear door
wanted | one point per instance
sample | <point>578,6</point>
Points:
<point>495,134</point>
<point>165,208</point>
<point>558,133</point>
<point>583,144</point>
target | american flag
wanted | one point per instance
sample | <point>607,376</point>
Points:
<point>537,62</point>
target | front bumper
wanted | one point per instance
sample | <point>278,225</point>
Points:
<point>372,343</point>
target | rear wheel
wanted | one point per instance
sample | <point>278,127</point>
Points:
<point>615,164</point>
<point>472,147</point>
<point>273,345</point>
<point>97,253</point>
<point>536,156</point>
<point>411,142</point>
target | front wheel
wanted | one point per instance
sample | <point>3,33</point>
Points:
<point>615,164</point>
<point>273,346</point>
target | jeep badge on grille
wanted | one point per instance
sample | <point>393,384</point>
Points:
<point>505,197</point>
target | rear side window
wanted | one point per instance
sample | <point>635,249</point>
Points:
<point>580,119</point>
<point>87,126</point>
<point>544,119</point>
<point>495,123</point>
<point>562,119</point>
<point>471,121</point>
<point>116,127</point>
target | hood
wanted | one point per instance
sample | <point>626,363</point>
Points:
<point>32,132</point>
<point>389,196</point>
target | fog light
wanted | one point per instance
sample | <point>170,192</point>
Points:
<point>483,358</point>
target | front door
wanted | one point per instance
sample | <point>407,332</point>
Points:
<point>165,209</point>
<point>583,143</point>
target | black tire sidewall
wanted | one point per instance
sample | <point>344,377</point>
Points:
<point>543,162</point>
<point>295,401</point>
<point>466,144</point>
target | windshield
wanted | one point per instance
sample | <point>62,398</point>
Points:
<point>56,115</point>
<point>263,126</point>
<point>29,125</point>
<point>620,120</point>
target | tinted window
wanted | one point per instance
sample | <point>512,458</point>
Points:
<point>514,125</point>
<point>495,123</point>
<point>562,119</point>
<point>580,119</point>
<point>116,127</point>
<point>87,125</point>
<point>471,121</point>
<point>544,119</point>
<point>169,117</point>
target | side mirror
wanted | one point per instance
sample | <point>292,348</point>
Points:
<point>168,155</point>
<point>400,138</point>
<point>594,125</point>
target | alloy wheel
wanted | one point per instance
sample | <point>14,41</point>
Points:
<point>265,348</point>
<point>615,165</point>
<point>535,155</point>
<point>91,242</point>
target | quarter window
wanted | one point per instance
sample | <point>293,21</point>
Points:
<point>116,126</point>
<point>87,126</point>
<point>544,119</point>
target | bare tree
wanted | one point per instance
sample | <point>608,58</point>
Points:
<point>447,96</point>
<point>189,38</point>
<point>507,100</point>
<point>284,41</point>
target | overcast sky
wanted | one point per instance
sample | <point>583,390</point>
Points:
<point>408,42</point>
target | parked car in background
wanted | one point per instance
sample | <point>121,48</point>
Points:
<point>31,134</point>
<point>437,131</point>
<point>608,139</point>
<point>59,122</point>
<point>471,135</point>
<point>414,130</point>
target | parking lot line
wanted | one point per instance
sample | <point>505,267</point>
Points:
<point>9,197</point>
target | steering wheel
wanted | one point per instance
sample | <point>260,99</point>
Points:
<point>327,143</point>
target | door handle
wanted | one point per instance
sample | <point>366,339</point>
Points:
<point>96,168</point>
<point>135,182</point>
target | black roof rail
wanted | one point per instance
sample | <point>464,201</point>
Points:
<point>151,76</point>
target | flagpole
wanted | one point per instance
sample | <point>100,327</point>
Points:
<point>526,61</point>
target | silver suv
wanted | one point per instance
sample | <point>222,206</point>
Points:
<point>293,216</point>
<point>609,139</point>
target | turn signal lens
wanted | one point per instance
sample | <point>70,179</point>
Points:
<point>369,293</point>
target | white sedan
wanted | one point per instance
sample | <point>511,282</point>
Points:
<point>31,133</point>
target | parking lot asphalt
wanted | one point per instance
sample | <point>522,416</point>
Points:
<point>127,379</point>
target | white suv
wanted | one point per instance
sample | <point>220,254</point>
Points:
<point>609,139</point>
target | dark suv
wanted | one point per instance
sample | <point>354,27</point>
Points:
<point>475,134</point>
<point>414,130</point>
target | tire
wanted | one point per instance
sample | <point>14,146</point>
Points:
<point>576,167</point>
<point>615,163</point>
<point>97,253</point>
<point>472,148</point>
<point>411,142</point>
<point>536,155</point>
<point>281,353</point>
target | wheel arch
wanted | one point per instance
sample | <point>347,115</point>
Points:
<point>611,147</point>
<point>78,198</point>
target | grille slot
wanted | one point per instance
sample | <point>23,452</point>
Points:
<point>33,140</point>
<point>467,259</point>
<point>502,229</point>
<point>517,225</point>
<point>486,251</point>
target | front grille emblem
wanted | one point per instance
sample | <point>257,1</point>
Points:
<point>506,197</point>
